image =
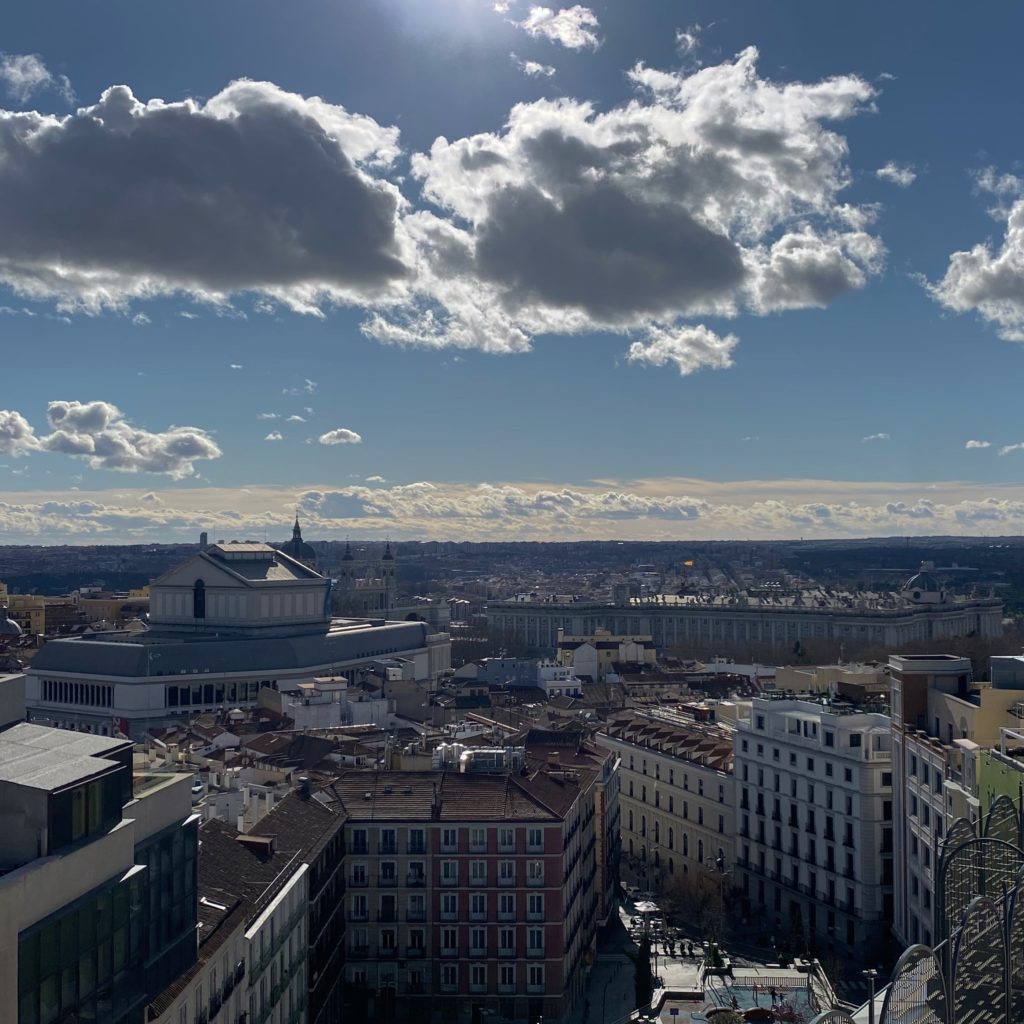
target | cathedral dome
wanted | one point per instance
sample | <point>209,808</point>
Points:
<point>9,629</point>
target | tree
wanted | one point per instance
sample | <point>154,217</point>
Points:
<point>698,898</point>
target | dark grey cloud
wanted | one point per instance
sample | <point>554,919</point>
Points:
<point>603,250</point>
<point>253,190</point>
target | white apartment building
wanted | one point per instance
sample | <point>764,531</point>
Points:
<point>676,800</point>
<point>814,783</point>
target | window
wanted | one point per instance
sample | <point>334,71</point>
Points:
<point>388,841</point>
<point>506,840</point>
<point>449,906</point>
<point>449,872</point>
<point>417,843</point>
<point>449,840</point>
<point>507,940</point>
<point>478,840</point>
<point>535,907</point>
<point>534,941</point>
<point>477,907</point>
<point>478,941</point>
<point>759,724</point>
<point>478,978</point>
<point>810,764</point>
<point>478,872</point>
<point>449,941</point>
<point>830,739</point>
<point>848,775</point>
<point>536,977</point>
<point>506,872</point>
<point>507,978</point>
<point>506,907</point>
<point>534,872</point>
<point>535,838</point>
<point>828,769</point>
<point>449,976</point>
<point>199,600</point>
<point>855,739</point>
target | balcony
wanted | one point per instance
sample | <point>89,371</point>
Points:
<point>415,952</point>
<point>450,881</point>
<point>388,848</point>
<point>419,915</point>
<point>449,987</point>
<point>358,882</point>
<point>387,916</point>
<point>507,915</point>
<point>535,952</point>
<point>480,881</point>
<point>506,990</point>
<point>507,952</point>
<point>387,952</point>
<point>449,915</point>
<point>416,846</point>
<point>474,987</point>
<point>416,880</point>
<point>450,952</point>
<point>387,881</point>
<point>535,881</point>
<point>358,952</point>
<point>478,951</point>
<point>534,915</point>
<point>506,881</point>
<point>360,848</point>
<point>359,914</point>
<point>535,990</point>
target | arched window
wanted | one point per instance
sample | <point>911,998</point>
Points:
<point>700,850</point>
<point>199,600</point>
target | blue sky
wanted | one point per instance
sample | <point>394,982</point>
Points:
<point>696,309</point>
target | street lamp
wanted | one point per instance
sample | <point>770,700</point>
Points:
<point>871,974</point>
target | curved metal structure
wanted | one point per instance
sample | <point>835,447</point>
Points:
<point>972,868</point>
<point>832,1017</point>
<point>1003,821</point>
<point>980,964</point>
<point>917,992</point>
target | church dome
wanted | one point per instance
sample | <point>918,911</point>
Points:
<point>9,629</point>
<point>298,549</point>
<point>387,556</point>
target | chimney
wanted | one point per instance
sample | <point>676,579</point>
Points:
<point>305,788</point>
<point>554,759</point>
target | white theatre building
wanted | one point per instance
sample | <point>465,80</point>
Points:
<point>232,619</point>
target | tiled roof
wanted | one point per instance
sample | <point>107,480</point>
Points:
<point>409,796</point>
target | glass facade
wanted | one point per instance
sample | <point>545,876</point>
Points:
<point>99,959</point>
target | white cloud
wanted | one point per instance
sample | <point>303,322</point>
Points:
<point>16,434</point>
<point>274,435</point>
<point>375,480</point>
<point>663,509</point>
<point>141,320</point>
<point>532,68</point>
<point>687,40</point>
<point>99,433</point>
<point>234,366</point>
<point>876,437</point>
<point>575,27</point>
<point>342,435</point>
<point>24,74</point>
<point>308,387</point>
<point>690,348</point>
<point>1008,448</point>
<point>268,416</point>
<point>296,419</point>
<point>713,193</point>
<point>978,444</point>
<point>989,280</point>
<point>903,175</point>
